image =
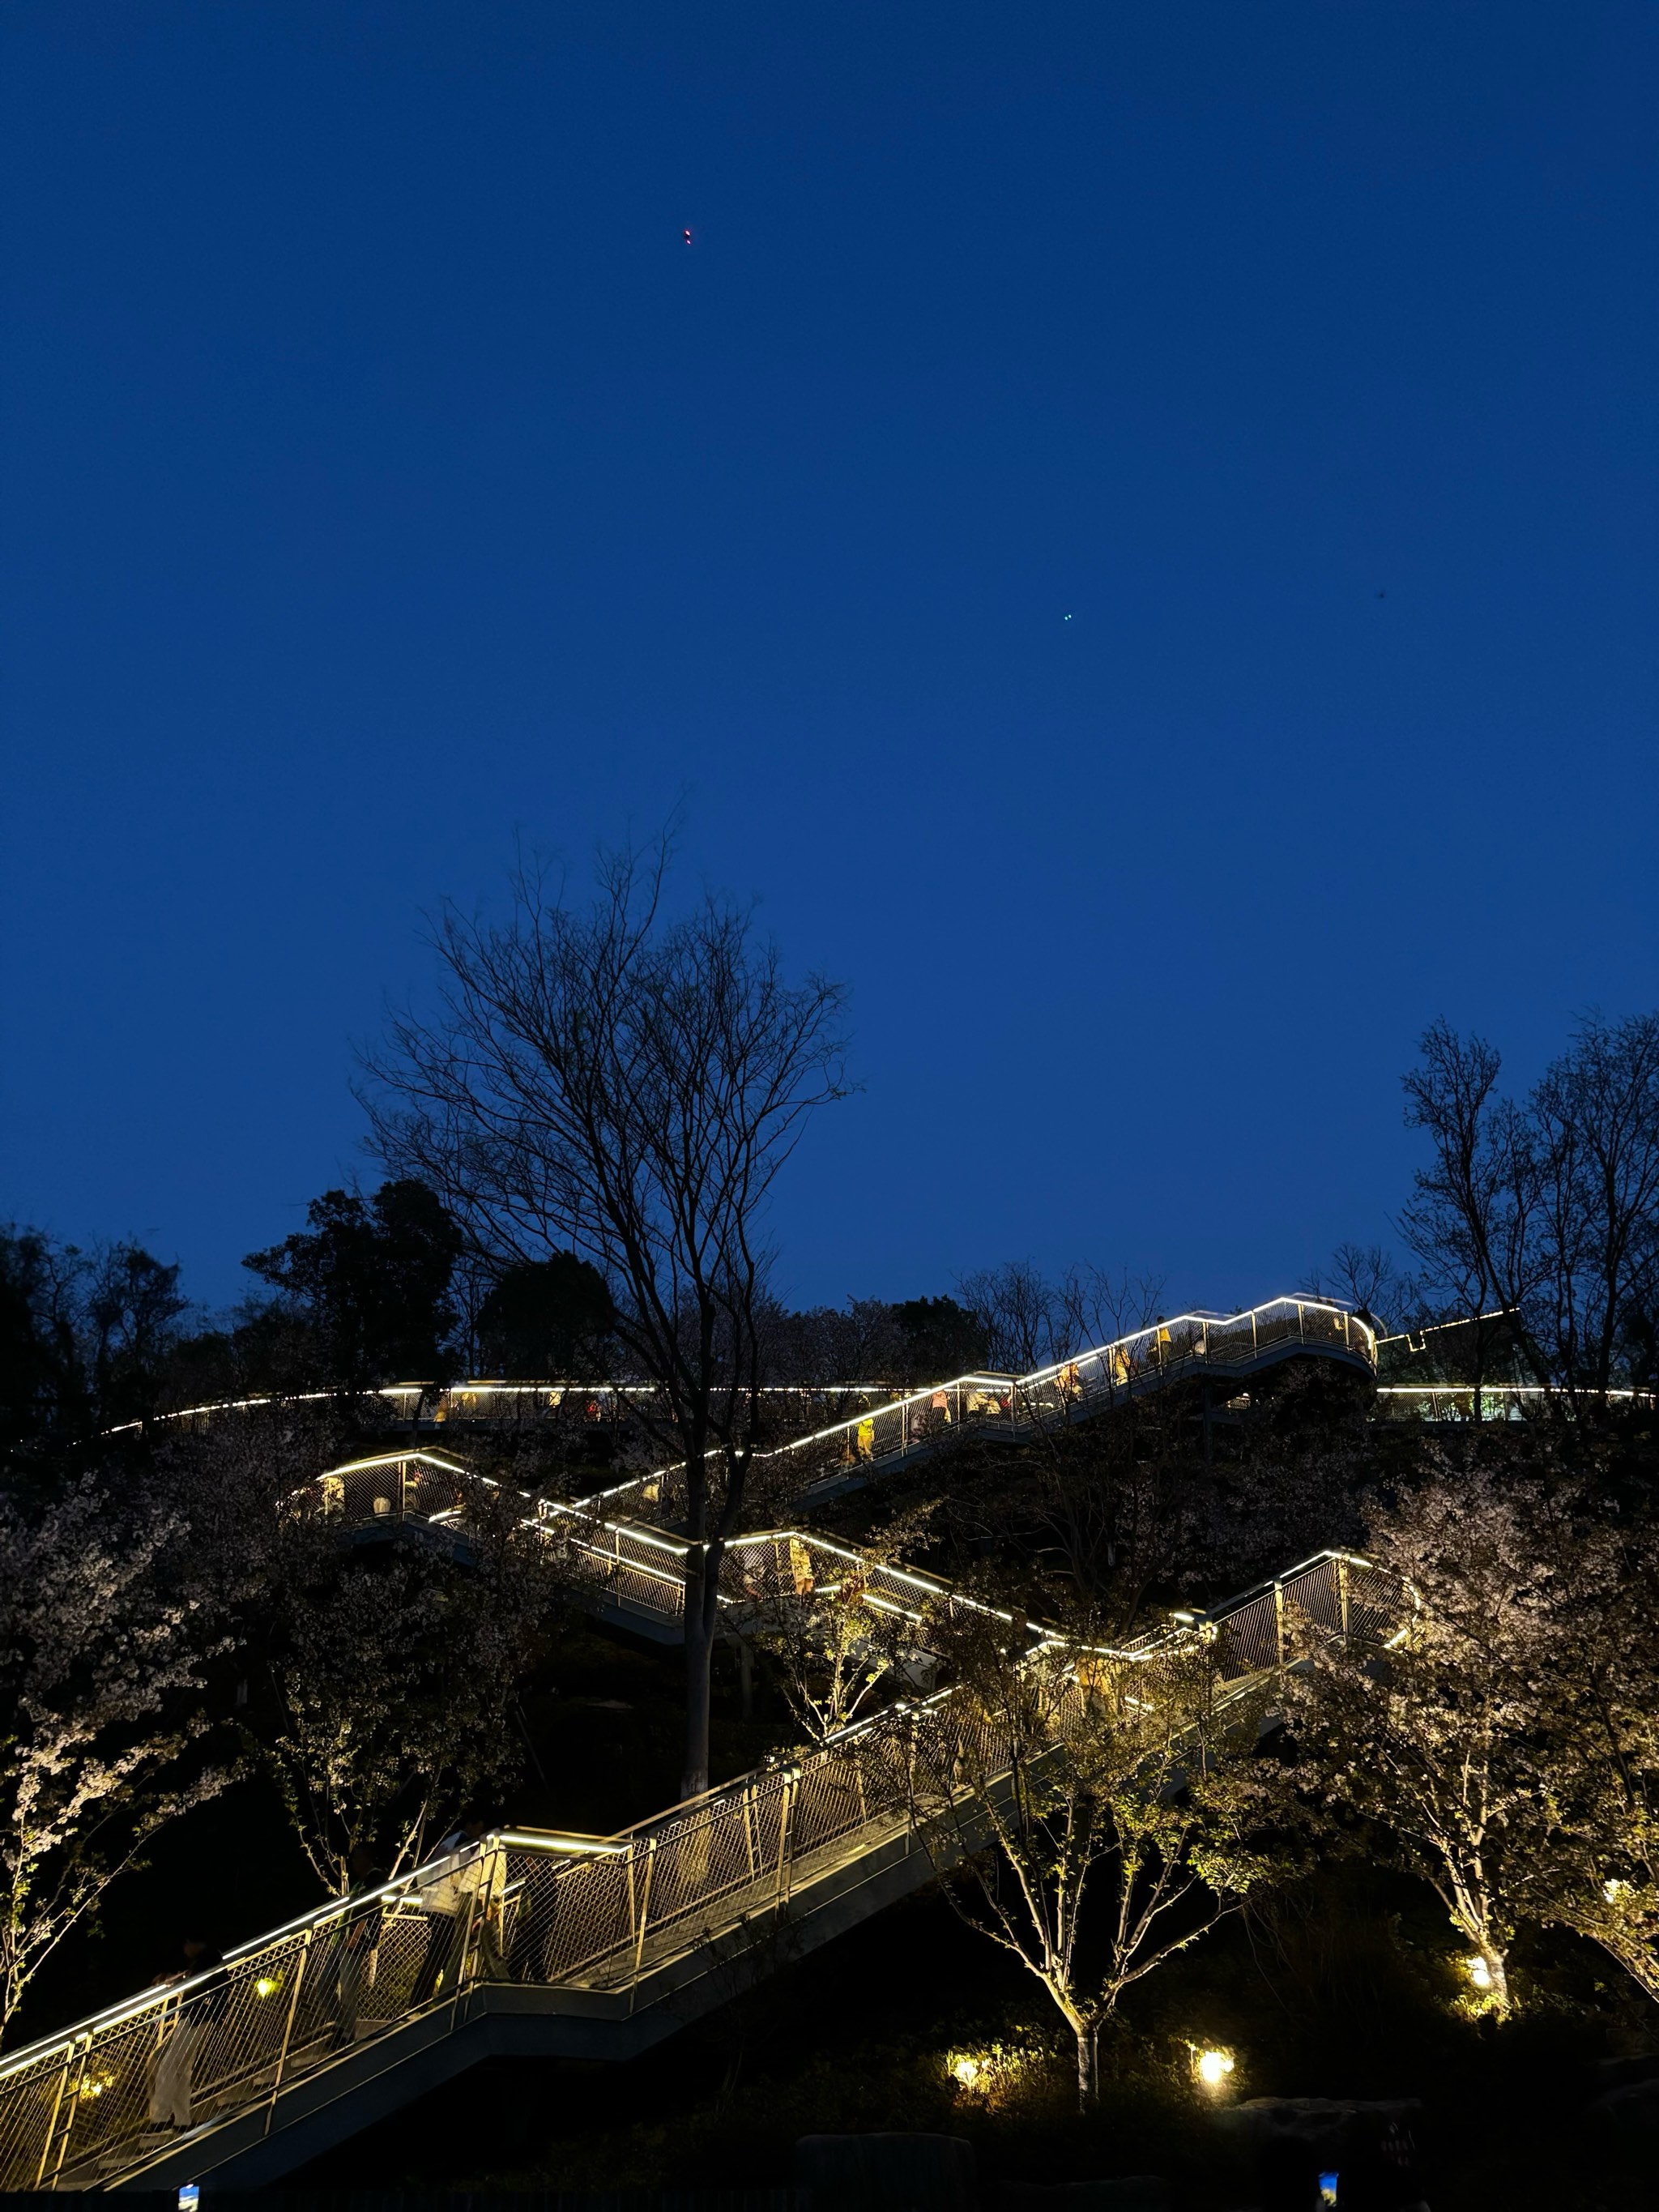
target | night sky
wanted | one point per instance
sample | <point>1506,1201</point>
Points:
<point>1131,528</point>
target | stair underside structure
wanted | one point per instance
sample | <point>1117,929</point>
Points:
<point>536,1942</point>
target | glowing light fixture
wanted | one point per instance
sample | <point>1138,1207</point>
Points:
<point>1213,2067</point>
<point>1479,1972</point>
<point>965,2069</point>
<point>267,1985</point>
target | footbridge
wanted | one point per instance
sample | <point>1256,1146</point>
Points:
<point>1011,1408</point>
<point>534,1941</point>
<point>629,1566</point>
<point>851,1430</point>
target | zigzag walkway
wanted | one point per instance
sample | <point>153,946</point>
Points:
<point>1009,1408</point>
<point>630,1570</point>
<point>535,1941</point>
<point>538,1942</point>
<point>886,1431</point>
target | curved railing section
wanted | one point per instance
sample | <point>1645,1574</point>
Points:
<point>883,1424</point>
<point>619,1551</point>
<point>88,2108</point>
<point>573,1918</point>
<point>1190,1347</point>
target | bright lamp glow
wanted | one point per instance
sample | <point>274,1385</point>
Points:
<point>987,2075</point>
<point>266,1986</point>
<point>1213,2067</point>
<point>1480,1973</point>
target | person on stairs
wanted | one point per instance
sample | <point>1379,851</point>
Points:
<point>445,1897</point>
<point>192,2020</point>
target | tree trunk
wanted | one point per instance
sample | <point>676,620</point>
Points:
<point>1088,2068</point>
<point>700,1625</point>
<point>1498,1994</point>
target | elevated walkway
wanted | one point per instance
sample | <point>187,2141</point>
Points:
<point>537,1942</point>
<point>1226,1348</point>
<point>629,1568</point>
<point>861,1427</point>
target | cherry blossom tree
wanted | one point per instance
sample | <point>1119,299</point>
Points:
<point>833,1632</point>
<point>396,1673</point>
<point>1598,1713</point>
<point>1445,1746</point>
<point>610,1081</point>
<point>102,1660</point>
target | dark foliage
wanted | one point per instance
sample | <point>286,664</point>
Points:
<point>86,1338</point>
<point>941,1338</point>
<point>370,1278</point>
<point>544,1320</point>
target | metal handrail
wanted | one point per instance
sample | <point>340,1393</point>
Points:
<point>78,2108</point>
<point>1105,1375</point>
<point>640,1567</point>
<point>561,1911</point>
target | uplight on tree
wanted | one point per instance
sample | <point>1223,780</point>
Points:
<point>1212,2068</point>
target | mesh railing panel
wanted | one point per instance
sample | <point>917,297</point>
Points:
<point>1163,1353</point>
<point>83,2107</point>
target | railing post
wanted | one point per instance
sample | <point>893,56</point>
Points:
<point>1342,1596</point>
<point>304,1960</point>
<point>64,2110</point>
<point>644,1912</point>
<point>784,1812</point>
<point>1278,1619</point>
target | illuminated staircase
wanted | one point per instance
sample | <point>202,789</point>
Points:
<point>599,1946</point>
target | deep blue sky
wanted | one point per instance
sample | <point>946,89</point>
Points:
<point>383,478</point>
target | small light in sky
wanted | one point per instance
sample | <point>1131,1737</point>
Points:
<point>1066,618</point>
<point>687,236</point>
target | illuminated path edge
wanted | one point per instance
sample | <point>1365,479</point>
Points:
<point>602,1947</point>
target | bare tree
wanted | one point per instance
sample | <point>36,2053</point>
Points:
<point>1021,1313</point>
<point>1543,1215</point>
<point>1470,1222</point>
<point>1365,1275</point>
<point>100,1664</point>
<point>1030,1322</point>
<point>1597,1114</point>
<point>608,1081</point>
<point>860,1341</point>
<point>1100,1307</point>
